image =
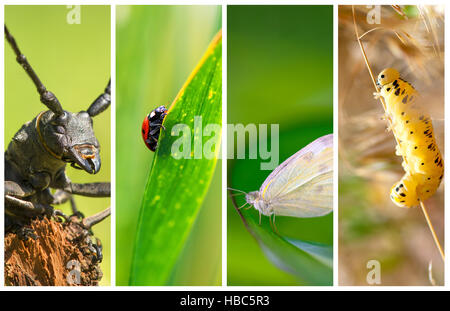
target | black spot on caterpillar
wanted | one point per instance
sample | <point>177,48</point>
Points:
<point>417,143</point>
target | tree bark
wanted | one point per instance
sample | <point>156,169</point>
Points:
<point>62,255</point>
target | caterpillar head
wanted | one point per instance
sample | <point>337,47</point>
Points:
<point>386,76</point>
<point>403,193</point>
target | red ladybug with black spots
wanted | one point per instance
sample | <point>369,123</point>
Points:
<point>151,127</point>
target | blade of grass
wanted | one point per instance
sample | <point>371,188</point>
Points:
<point>311,263</point>
<point>176,187</point>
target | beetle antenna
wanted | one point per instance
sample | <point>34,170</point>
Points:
<point>47,98</point>
<point>101,103</point>
<point>95,219</point>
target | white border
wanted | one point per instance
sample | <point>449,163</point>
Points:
<point>335,145</point>
<point>224,147</point>
<point>224,4</point>
<point>113,146</point>
<point>447,141</point>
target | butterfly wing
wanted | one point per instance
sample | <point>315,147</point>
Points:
<point>302,186</point>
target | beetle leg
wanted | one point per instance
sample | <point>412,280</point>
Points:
<point>75,211</point>
<point>90,221</point>
<point>148,141</point>
<point>60,197</point>
<point>156,130</point>
<point>58,215</point>
<point>18,190</point>
<point>98,249</point>
<point>98,190</point>
<point>18,207</point>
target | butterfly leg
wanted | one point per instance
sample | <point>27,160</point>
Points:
<point>243,205</point>
<point>272,224</point>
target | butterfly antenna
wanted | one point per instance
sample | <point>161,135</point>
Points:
<point>232,189</point>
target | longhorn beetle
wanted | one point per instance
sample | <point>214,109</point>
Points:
<point>36,159</point>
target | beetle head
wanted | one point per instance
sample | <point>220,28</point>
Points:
<point>70,136</point>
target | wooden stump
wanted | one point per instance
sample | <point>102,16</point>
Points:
<point>62,255</point>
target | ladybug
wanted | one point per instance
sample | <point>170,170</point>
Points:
<point>152,125</point>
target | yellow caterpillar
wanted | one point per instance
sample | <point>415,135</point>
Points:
<point>413,129</point>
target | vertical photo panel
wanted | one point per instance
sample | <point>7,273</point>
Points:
<point>391,145</point>
<point>280,145</point>
<point>57,145</point>
<point>168,134</point>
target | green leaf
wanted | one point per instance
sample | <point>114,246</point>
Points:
<point>176,187</point>
<point>311,263</point>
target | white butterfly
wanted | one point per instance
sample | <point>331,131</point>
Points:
<point>301,186</point>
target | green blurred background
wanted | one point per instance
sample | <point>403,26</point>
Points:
<point>73,61</point>
<point>280,70</point>
<point>157,47</point>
